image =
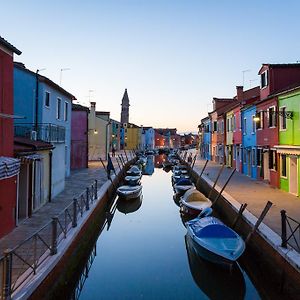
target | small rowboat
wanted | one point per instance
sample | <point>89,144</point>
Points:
<point>129,192</point>
<point>183,185</point>
<point>134,171</point>
<point>193,202</point>
<point>214,241</point>
<point>133,180</point>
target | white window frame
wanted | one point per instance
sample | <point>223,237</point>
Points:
<point>266,72</point>
<point>274,126</point>
<point>281,119</point>
<point>253,125</point>
<point>286,168</point>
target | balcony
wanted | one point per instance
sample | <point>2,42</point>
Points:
<point>46,132</point>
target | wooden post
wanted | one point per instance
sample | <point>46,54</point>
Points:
<point>126,155</point>
<point>259,220</point>
<point>7,275</point>
<point>203,168</point>
<point>96,189</point>
<point>87,203</point>
<point>194,160</point>
<point>223,188</point>
<point>118,163</point>
<point>214,185</point>
<point>240,213</point>
<point>283,229</point>
<point>74,220</point>
<point>54,236</point>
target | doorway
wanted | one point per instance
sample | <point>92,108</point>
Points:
<point>266,165</point>
<point>293,175</point>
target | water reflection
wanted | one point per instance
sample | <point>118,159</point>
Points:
<point>149,167</point>
<point>216,282</point>
<point>129,206</point>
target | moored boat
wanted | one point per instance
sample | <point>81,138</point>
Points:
<point>183,185</point>
<point>214,241</point>
<point>129,192</point>
<point>134,171</point>
<point>193,202</point>
<point>133,180</point>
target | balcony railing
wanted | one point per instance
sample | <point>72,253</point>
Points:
<point>46,132</point>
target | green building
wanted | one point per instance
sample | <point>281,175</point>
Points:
<point>289,140</point>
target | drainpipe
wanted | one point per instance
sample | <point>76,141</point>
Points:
<point>50,175</point>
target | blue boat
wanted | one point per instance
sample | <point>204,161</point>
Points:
<point>214,241</point>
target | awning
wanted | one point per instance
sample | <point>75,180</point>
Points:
<point>30,158</point>
<point>288,149</point>
<point>9,167</point>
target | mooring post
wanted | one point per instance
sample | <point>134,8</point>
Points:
<point>203,168</point>
<point>54,236</point>
<point>7,274</point>
<point>223,188</point>
<point>194,160</point>
<point>87,203</point>
<point>214,185</point>
<point>96,189</point>
<point>259,220</point>
<point>126,155</point>
<point>118,163</point>
<point>74,220</point>
<point>239,215</point>
<point>283,229</point>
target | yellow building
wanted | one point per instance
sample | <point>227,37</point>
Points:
<point>132,136</point>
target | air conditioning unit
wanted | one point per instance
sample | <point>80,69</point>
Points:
<point>33,135</point>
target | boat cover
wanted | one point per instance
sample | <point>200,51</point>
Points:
<point>184,181</point>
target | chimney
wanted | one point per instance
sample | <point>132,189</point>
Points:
<point>239,93</point>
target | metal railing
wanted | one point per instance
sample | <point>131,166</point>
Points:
<point>290,231</point>
<point>22,262</point>
<point>47,132</point>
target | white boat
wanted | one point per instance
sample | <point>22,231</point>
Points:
<point>129,192</point>
<point>193,202</point>
<point>183,185</point>
<point>134,171</point>
<point>133,180</point>
<point>214,241</point>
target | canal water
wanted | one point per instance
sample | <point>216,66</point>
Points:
<point>145,254</point>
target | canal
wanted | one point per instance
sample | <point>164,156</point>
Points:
<point>144,254</point>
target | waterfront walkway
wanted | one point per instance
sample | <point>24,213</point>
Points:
<point>253,192</point>
<point>75,184</point>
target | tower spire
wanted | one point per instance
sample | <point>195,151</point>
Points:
<point>125,108</point>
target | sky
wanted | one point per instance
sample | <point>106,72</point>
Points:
<point>172,56</point>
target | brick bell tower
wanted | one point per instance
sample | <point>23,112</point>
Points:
<point>125,108</point>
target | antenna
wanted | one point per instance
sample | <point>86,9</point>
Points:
<point>244,71</point>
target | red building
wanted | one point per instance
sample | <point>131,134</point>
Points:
<point>9,167</point>
<point>274,79</point>
<point>159,140</point>
<point>79,137</point>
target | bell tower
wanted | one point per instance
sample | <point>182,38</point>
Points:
<point>125,108</point>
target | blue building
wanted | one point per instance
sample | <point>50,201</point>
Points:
<point>249,141</point>
<point>206,144</point>
<point>47,110</point>
<point>147,138</point>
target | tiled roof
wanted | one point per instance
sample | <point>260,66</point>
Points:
<point>78,107</point>
<point>9,46</point>
<point>22,144</point>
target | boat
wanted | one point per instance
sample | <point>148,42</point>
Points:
<point>193,202</point>
<point>183,185</point>
<point>214,241</point>
<point>215,282</point>
<point>134,171</point>
<point>131,206</point>
<point>178,176</point>
<point>129,192</point>
<point>133,180</point>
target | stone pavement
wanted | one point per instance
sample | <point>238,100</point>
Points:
<point>255,193</point>
<point>75,184</point>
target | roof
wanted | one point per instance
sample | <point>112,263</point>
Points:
<point>45,79</point>
<point>78,107</point>
<point>102,113</point>
<point>9,46</point>
<point>125,99</point>
<point>289,65</point>
<point>22,144</point>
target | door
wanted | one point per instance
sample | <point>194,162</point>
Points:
<point>237,158</point>
<point>23,192</point>
<point>248,162</point>
<point>266,166</point>
<point>293,180</point>
<point>37,185</point>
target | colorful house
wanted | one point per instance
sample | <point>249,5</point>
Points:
<point>249,140</point>
<point>206,138</point>
<point>115,133</point>
<point>132,136</point>
<point>289,140</point>
<point>275,78</point>
<point>9,166</point>
<point>79,136</point>
<point>47,109</point>
<point>147,138</point>
<point>229,138</point>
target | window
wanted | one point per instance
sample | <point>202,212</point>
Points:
<point>272,117</point>
<point>222,126</point>
<point>234,123</point>
<point>66,111</point>
<point>253,125</point>
<point>245,126</point>
<point>47,99</point>
<point>260,122</point>
<point>283,118</point>
<point>264,79</point>
<point>215,126</point>
<point>253,158</point>
<point>272,160</point>
<point>258,156</point>
<point>58,108</point>
<point>244,156</point>
<point>234,152</point>
<point>227,125</point>
<point>283,165</point>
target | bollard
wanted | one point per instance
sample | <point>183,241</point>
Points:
<point>74,220</point>
<point>7,274</point>
<point>283,229</point>
<point>96,189</point>
<point>87,203</point>
<point>54,236</point>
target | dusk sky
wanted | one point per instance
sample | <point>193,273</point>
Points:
<point>172,56</point>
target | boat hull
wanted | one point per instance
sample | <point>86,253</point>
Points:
<point>128,195</point>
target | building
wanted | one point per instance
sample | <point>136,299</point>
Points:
<point>9,167</point>
<point>289,141</point>
<point>47,109</point>
<point>125,108</point>
<point>99,122</point>
<point>79,136</point>
<point>132,136</point>
<point>147,138</point>
<point>115,134</point>
<point>275,78</point>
